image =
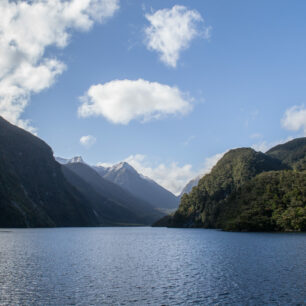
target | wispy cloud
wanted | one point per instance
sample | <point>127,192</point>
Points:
<point>295,119</point>
<point>27,28</point>
<point>256,136</point>
<point>171,31</point>
<point>171,176</point>
<point>121,101</point>
<point>264,146</point>
<point>88,141</point>
<point>251,117</point>
<point>188,140</point>
<point>210,162</point>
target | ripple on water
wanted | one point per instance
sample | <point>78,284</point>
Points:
<point>150,266</point>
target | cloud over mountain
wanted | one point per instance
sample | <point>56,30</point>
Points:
<point>27,28</point>
<point>121,101</point>
<point>171,176</point>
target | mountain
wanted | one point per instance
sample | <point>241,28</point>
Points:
<point>110,212</point>
<point>140,186</point>
<point>36,191</point>
<point>249,190</point>
<point>33,189</point>
<point>271,201</point>
<point>64,161</point>
<point>192,183</point>
<point>291,153</point>
<point>199,208</point>
<point>142,211</point>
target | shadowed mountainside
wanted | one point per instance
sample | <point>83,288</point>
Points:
<point>122,198</point>
<point>142,187</point>
<point>35,192</point>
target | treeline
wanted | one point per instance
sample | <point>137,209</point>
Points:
<point>249,191</point>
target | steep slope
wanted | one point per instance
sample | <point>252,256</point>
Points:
<point>110,213</point>
<point>63,161</point>
<point>33,190</point>
<point>292,153</point>
<point>192,183</point>
<point>144,188</point>
<point>200,208</point>
<point>271,201</point>
<point>141,209</point>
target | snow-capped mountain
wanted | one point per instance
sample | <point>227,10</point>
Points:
<point>124,175</point>
<point>120,201</point>
<point>75,159</point>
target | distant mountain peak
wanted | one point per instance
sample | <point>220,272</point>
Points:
<point>192,183</point>
<point>126,176</point>
<point>76,159</point>
<point>65,161</point>
<point>121,166</point>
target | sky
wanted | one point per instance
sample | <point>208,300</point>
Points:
<point>168,86</point>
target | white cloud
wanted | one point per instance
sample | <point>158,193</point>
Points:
<point>105,165</point>
<point>171,176</point>
<point>295,119</point>
<point>210,162</point>
<point>171,31</point>
<point>121,101</point>
<point>87,141</point>
<point>264,146</point>
<point>27,28</point>
<point>256,136</point>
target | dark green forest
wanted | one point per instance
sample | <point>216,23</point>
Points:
<point>249,191</point>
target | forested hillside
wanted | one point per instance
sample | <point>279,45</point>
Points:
<point>250,191</point>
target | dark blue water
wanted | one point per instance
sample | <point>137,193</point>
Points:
<point>123,266</point>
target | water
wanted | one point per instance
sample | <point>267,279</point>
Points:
<point>140,266</point>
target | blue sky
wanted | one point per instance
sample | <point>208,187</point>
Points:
<point>240,81</point>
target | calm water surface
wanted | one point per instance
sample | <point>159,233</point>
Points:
<point>140,266</point>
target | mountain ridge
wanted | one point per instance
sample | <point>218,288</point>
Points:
<point>192,183</point>
<point>124,175</point>
<point>227,188</point>
<point>128,178</point>
<point>245,191</point>
<point>37,191</point>
<point>114,192</point>
<point>33,190</point>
